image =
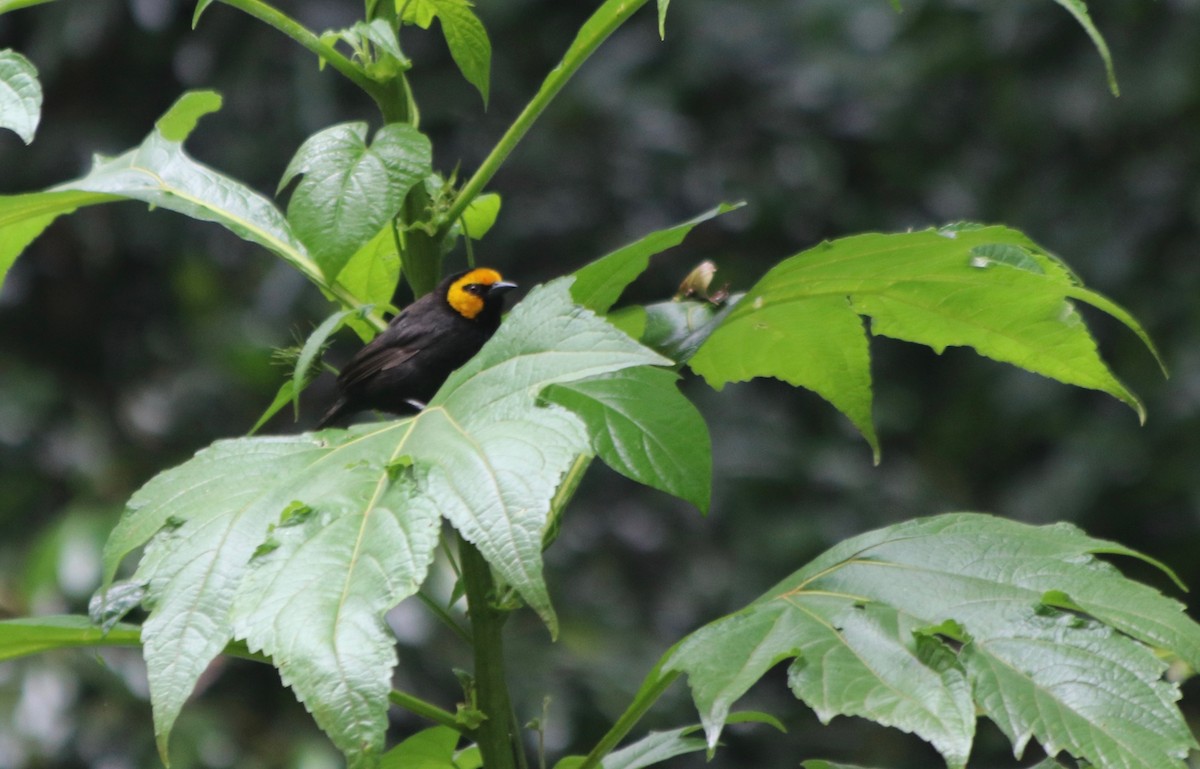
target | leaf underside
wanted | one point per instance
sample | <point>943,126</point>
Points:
<point>20,95</point>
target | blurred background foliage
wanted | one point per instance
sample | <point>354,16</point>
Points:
<point>128,339</point>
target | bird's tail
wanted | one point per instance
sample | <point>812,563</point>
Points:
<point>334,412</point>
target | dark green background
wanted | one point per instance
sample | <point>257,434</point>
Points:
<point>129,339</point>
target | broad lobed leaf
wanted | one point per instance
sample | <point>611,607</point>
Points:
<point>917,624</point>
<point>990,288</point>
<point>300,544</point>
<point>351,189</point>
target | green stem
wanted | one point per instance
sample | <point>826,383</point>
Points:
<point>566,490</point>
<point>425,709</point>
<point>607,18</point>
<point>497,739</point>
<point>652,688</point>
<point>440,612</point>
<point>305,37</point>
<point>422,251</point>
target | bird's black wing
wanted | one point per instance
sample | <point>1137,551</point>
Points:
<point>404,338</point>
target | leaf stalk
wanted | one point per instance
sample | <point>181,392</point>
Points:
<point>425,709</point>
<point>607,18</point>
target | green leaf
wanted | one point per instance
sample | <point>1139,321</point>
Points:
<point>300,544</point>
<point>159,173</point>
<point>312,347</point>
<point>497,385</point>
<point>468,42</point>
<point>329,569</point>
<point>480,215</point>
<point>599,284</point>
<point>427,749</point>
<point>468,758</point>
<point>820,763</point>
<point>654,748</point>
<point>351,190</point>
<point>34,635</point>
<point>20,95</point>
<point>284,396</point>
<point>643,427</point>
<point>464,33</point>
<point>662,18</point>
<point>956,286</point>
<point>24,217</point>
<point>372,275</point>
<point>418,12</point>
<point>12,5</point>
<point>864,623</point>
<point>1078,9</point>
<point>302,372</point>
<point>180,120</point>
<point>657,747</point>
<point>201,6</point>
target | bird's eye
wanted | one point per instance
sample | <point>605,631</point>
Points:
<point>473,288</point>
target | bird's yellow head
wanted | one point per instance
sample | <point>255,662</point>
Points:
<point>470,292</point>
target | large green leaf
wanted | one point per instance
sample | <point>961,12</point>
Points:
<point>300,544</point>
<point>24,217</point>
<point>159,172</point>
<point>350,190</point>
<point>20,95</point>
<point>643,427</point>
<point>990,288</point>
<point>599,284</point>
<point>371,275</point>
<point>917,625</point>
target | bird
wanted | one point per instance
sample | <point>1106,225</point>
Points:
<point>402,368</point>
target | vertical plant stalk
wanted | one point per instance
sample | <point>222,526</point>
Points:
<point>607,18</point>
<point>496,736</point>
<point>422,257</point>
